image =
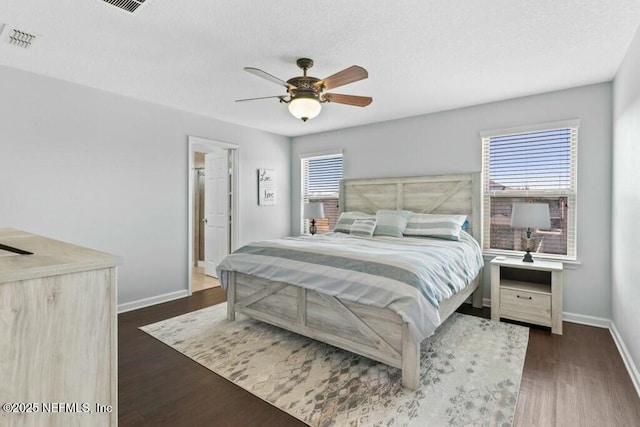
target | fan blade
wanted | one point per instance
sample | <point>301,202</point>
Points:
<point>358,101</point>
<point>262,97</point>
<point>341,78</point>
<point>258,72</point>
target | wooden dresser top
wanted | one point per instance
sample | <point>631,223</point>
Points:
<point>50,257</point>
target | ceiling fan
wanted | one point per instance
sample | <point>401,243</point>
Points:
<point>305,94</point>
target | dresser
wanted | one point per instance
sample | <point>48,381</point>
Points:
<point>58,333</point>
<point>529,292</point>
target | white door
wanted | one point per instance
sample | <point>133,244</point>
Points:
<point>216,207</point>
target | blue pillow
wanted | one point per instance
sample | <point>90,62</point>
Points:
<point>345,221</point>
<point>391,223</point>
<point>363,227</point>
<point>435,225</point>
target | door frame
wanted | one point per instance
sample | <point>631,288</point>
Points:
<point>198,144</point>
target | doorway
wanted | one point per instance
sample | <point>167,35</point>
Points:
<point>213,208</point>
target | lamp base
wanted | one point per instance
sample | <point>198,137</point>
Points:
<point>312,227</point>
<point>527,257</point>
<point>528,244</point>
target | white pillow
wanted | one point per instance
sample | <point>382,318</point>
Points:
<point>391,223</point>
<point>363,227</point>
<point>435,225</point>
<point>345,221</point>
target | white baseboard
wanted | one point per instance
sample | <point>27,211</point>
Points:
<point>626,357</point>
<point>598,322</point>
<point>146,302</point>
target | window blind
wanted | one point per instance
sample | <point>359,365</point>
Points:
<point>321,177</point>
<point>537,166</point>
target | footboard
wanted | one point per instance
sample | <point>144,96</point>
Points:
<point>376,333</point>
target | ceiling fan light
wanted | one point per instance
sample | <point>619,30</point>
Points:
<point>304,108</point>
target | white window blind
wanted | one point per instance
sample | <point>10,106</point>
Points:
<point>321,177</point>
<point>534,166</point>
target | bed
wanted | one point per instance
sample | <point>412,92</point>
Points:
<point>388,334</point>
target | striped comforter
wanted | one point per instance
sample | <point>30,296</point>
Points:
<point>410,276</point>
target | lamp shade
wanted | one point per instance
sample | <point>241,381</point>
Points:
<point>530,215</point>
<point>313,210</point>
<point>304,108</point>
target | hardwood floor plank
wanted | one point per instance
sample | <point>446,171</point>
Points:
<point>160,387</point>
<point>577,379</point>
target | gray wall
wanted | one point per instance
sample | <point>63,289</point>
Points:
<point>109,172</point>
<point>449,142</point>
<point>625,292</point>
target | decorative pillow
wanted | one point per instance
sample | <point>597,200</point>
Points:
<point>391,223</point>
<point>345,221</point>
<point>434,225</point>
<point>363,227</point>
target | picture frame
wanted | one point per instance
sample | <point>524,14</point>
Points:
<point>267,194</point>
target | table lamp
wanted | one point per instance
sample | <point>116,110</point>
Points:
<point>313,211</point>
<point>530,215</point>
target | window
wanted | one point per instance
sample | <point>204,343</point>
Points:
<point>321,175</point>
<point>533,165</point>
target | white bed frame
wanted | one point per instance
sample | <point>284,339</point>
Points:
<point>376,333</point>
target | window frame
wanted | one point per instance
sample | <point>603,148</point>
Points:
<point>305,157</point>
<point>571,193</point>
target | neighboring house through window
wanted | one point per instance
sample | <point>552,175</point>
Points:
<point>321,175</point>
<point>533,164</point>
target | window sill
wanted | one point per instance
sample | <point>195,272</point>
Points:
<point>570,264</point>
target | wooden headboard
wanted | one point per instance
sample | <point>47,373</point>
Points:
<point>443,194</point>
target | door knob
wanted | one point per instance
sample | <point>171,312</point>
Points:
<point>204,220</point>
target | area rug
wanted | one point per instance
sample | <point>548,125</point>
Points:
<point>470,371</point>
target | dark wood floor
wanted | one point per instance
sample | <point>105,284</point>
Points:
<point>577,379</point>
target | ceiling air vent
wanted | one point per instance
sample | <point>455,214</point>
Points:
<point>128,5</point>
<point>21,38</point>
<point>16,37</point>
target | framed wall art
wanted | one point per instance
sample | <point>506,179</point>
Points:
<point>266,187</point>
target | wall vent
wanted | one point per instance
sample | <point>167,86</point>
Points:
<point>128,5</point>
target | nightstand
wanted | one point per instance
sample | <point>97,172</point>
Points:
<point>527,292</point>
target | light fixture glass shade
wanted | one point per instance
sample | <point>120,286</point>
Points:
<point>313,210</point>
<point>530,215</point>
<point>304,108</point>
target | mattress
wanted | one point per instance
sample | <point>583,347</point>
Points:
<point>409,275</point>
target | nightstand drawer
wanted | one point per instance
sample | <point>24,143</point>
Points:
<point>525,306</point>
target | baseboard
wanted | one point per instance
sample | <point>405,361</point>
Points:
<point>582,319</point>
<point>626,357</point>
<point>146,302</point>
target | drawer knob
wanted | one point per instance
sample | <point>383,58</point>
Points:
<point>523,297</point>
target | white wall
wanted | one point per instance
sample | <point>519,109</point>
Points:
<point>110,172</point>
<point>449,142</point>
<point>626,201</point>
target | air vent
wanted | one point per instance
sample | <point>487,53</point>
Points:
<point>128,5</point>
<point>21,38</point>
<point>16,37</point>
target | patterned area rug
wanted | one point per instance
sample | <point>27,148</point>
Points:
<point>471,371</point>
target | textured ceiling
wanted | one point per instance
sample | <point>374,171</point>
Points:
<point>422,55</point>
